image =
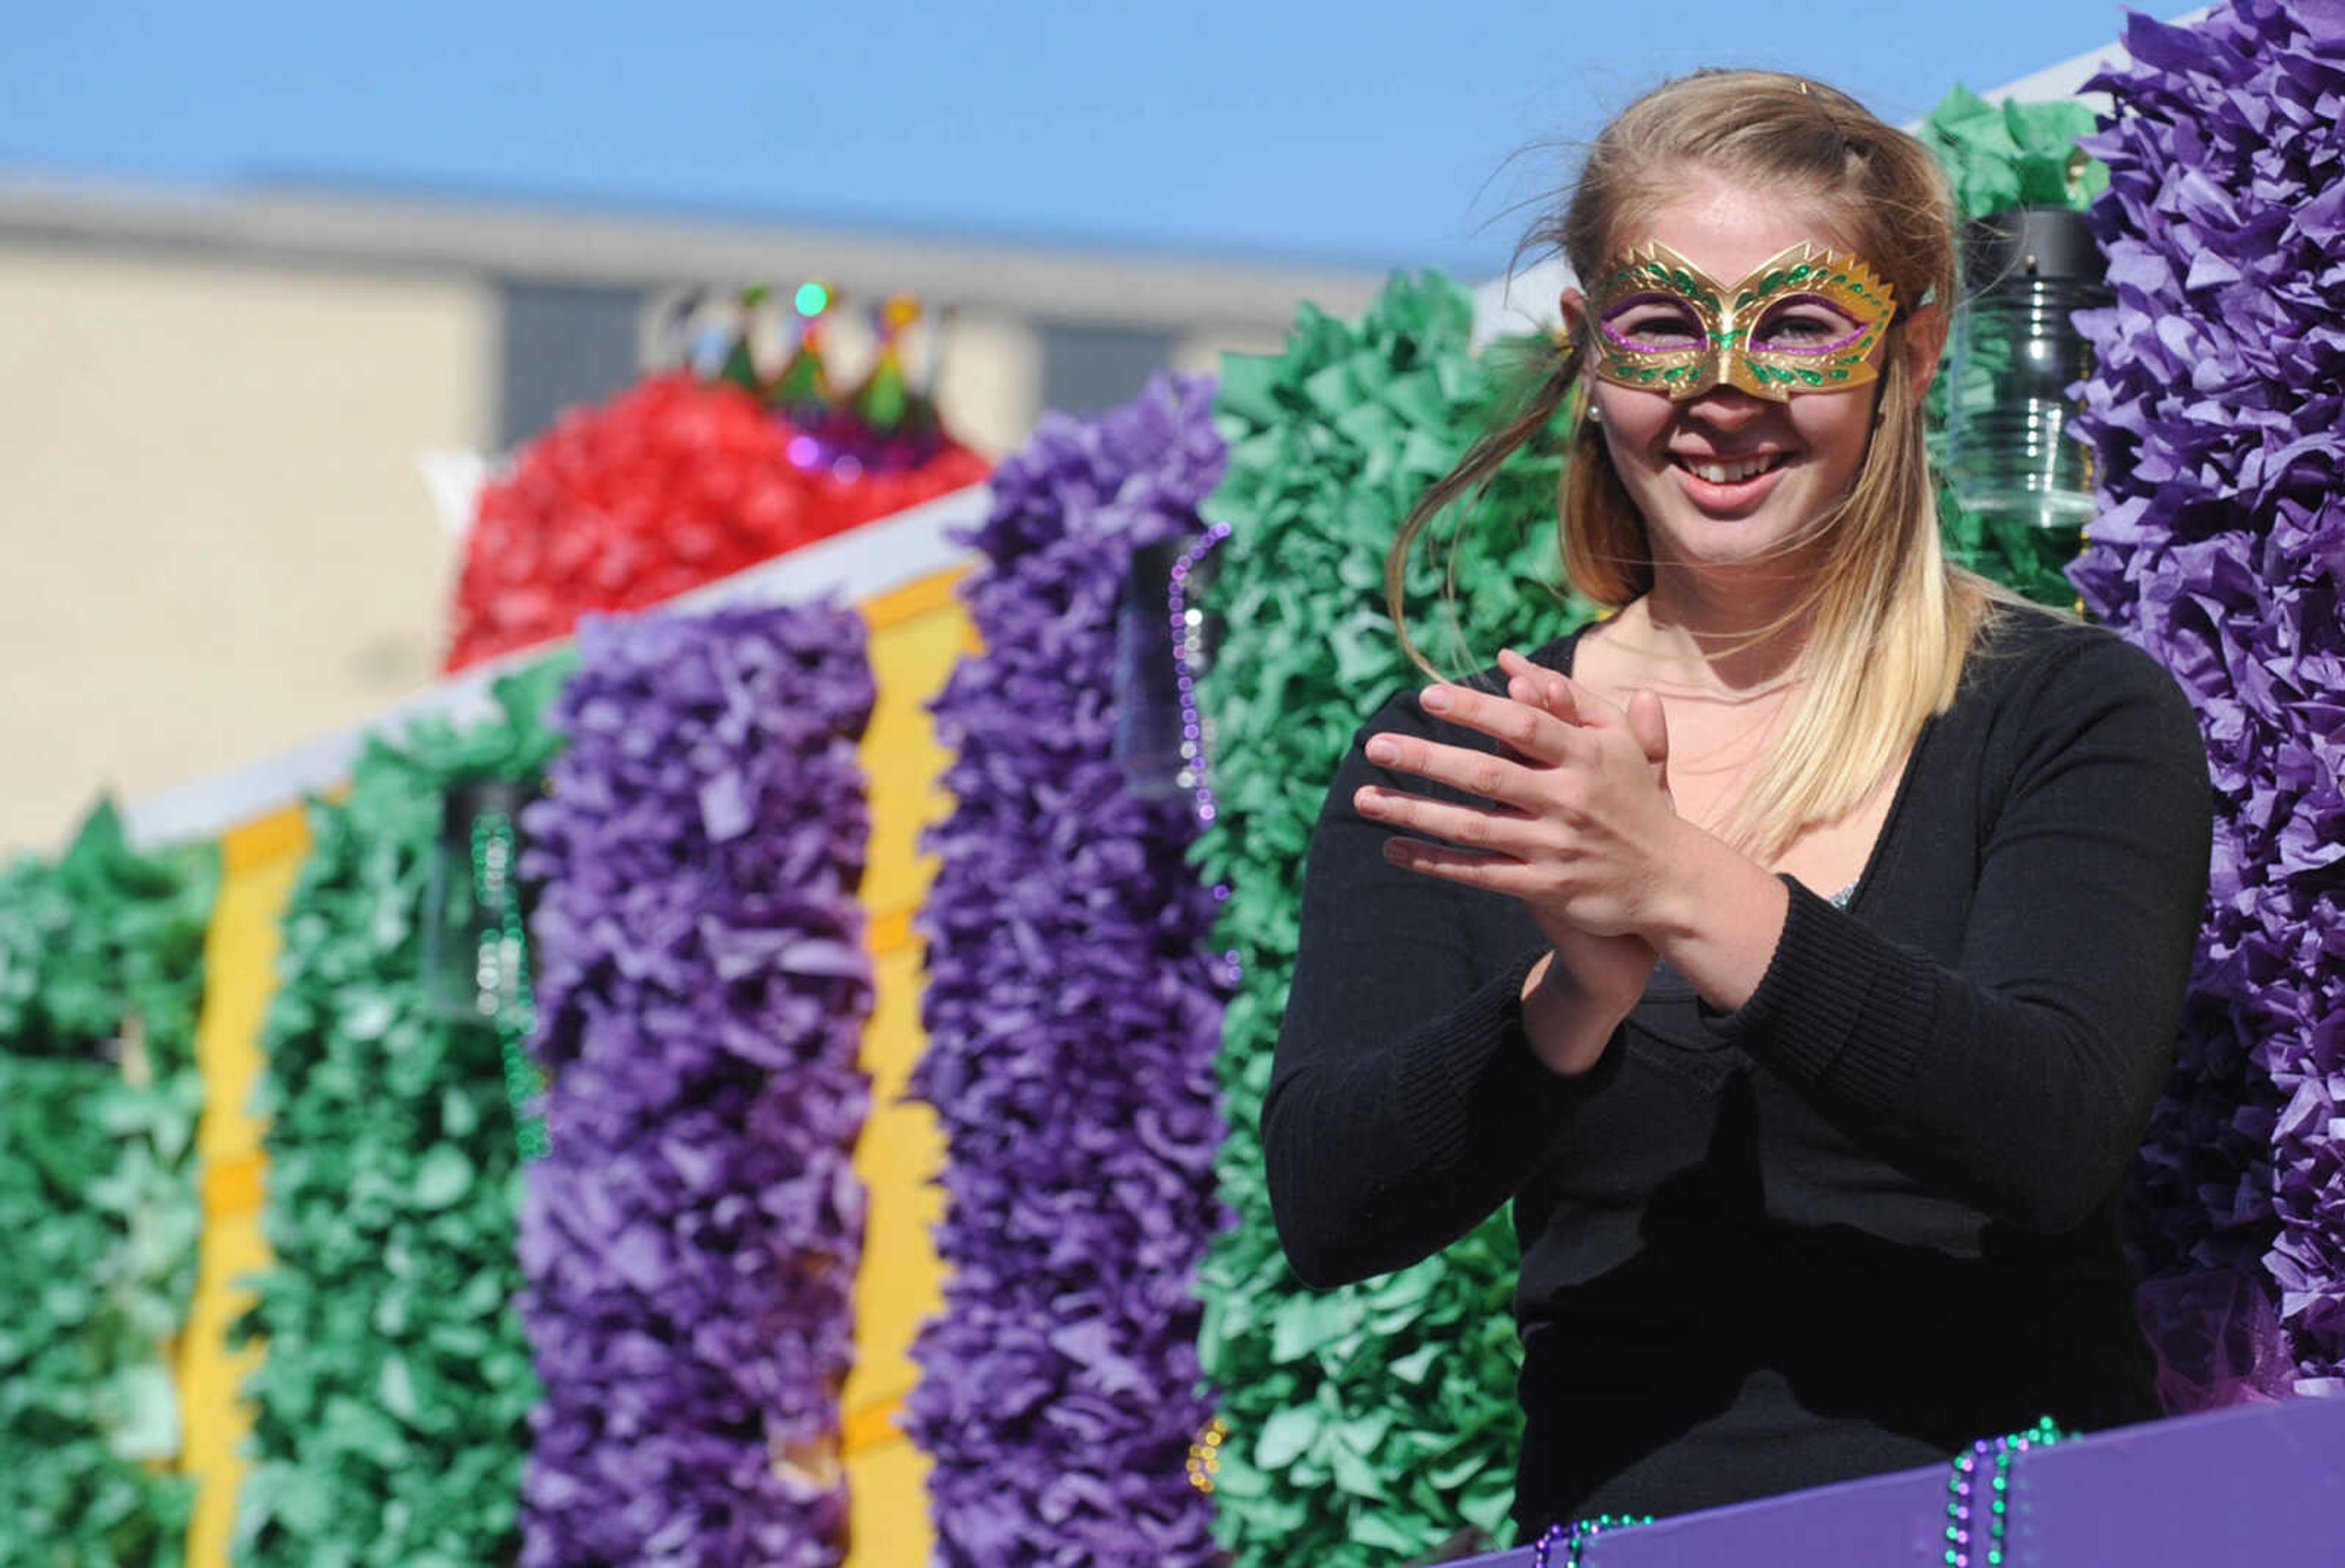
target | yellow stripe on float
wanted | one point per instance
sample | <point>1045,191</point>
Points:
<point>873,1426</point>
<point>939,594</point>
<point>259,866</point>
<point>234,1186</point>
<point>918,634</point>
<point>889,933</point>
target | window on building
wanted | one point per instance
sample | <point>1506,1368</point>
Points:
<point>559,345</point>
<point>1086,369</point>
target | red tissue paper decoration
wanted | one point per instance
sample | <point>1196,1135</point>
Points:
<point>672,484</point>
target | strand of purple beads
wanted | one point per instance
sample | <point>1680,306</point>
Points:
<point>1186,624</point>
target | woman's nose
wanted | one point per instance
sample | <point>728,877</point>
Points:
<point>1726,408</point>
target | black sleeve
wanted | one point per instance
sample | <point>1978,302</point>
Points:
<point>2021,1079</point>
<point>1404,1104</point>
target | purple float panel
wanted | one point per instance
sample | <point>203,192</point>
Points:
<point>2262,1485</point>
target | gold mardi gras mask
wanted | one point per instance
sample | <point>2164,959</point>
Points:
<point>1751,335</point>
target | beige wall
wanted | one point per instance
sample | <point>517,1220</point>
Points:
<point>218,543</point>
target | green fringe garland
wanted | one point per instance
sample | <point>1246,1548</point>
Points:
<point>101,980</point>
<point>1366,1422</point>
<point>391,1406</point>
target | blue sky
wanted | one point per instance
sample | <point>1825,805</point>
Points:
<point>1363,133</point>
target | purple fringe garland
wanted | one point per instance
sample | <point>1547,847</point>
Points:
<point>2217,412</point>
<point>690,1243</point>
<point>1073,1011</point>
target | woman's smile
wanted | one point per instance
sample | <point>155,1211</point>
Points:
<point>1730,485</point>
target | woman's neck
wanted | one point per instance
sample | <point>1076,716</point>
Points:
<point>1738,636</point>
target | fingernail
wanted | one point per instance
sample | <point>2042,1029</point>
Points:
<point>1384,749</point>
<point>1436,699</point>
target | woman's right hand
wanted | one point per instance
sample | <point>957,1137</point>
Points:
<point>1574,998</point>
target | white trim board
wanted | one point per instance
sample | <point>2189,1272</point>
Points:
<point>857,565</point>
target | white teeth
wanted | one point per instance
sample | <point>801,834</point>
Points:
<point>1729,473</point>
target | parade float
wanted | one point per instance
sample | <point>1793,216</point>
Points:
<point>760,1065</point>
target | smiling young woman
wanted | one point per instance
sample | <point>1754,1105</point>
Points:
<point>1798,949</point>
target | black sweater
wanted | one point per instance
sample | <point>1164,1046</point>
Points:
<point>1862,1219</point>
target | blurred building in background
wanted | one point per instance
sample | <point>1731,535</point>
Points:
<point>214,410</point>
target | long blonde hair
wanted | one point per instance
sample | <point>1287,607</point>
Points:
<point>1889,621</point>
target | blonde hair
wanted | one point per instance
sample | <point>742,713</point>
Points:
<point>1890,621</point>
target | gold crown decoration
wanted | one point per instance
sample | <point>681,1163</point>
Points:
<point>778,348</point>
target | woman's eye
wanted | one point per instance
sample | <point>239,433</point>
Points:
<point>1800,330</point>
<point>1648,328</point>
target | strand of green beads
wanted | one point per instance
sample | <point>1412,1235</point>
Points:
<point>501,975</point>
<point>1962,1493</point>
<point>1574,1538</point>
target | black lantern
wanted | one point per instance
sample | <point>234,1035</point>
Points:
<point>2010,450</point>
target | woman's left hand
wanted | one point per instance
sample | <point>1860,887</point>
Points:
<point>1578,824</point>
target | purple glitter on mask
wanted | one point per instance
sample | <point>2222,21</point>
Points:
<point>1073,1011</point>
<point>2216,410</point>
<point>690,1241</point>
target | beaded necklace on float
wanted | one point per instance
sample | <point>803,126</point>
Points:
<point>1994,1457</point>
<point>1999,1454</point>
<point>1186,624</point>
<point>1574,1538</point>
<point>501,965</point>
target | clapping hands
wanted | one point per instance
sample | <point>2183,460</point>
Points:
<point>1579,823</point>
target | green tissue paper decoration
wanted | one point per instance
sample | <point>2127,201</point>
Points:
<point>1998,156</point>
<point>391,1406</point>
<point>1366,1424</point>
<point>2002,156</point>
<point>101,980</point>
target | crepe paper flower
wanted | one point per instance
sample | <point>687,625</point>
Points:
<point>670,485</point>
<point>1371,1423</point>
<point>1998,156</point>
<point>691,1240</point>
<point>390,1411</point>
<point>2010,154</point>
<point>101,980</point>
<point>2215,410</point>
<point>1072,1014</point>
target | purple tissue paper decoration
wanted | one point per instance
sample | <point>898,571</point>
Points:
<point>1072,1013</point>
<point>2218,410</point>
<point>691,1240</point>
